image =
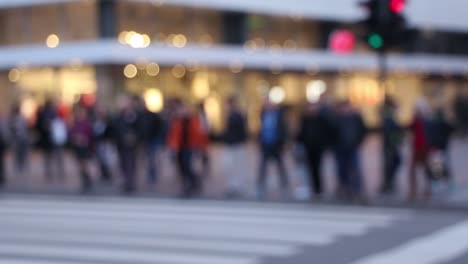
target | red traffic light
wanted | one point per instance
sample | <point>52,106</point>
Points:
<point>397,6</point>
<point>342,41</point>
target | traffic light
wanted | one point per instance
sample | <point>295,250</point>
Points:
<point>397,6</point>
<point>384,23</point>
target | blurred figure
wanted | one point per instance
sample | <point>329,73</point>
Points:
<point>314,135</point>
<point>392,135</point>
<point>234,137</point>
<point>350,133</point>
<point>150,129</point>
<point>52,139</point>
<point>102,132</point>
<point>420,148</point>
<point>184,137</point>
<point>126,134</point>
<point>440,131</point>
<point>272,140</point>
<point>203,151</point>
<point>4,139</point>
<point>20,139</point>
<point>81,135</point>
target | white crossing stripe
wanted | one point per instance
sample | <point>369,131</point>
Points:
<point>120,255</point>
<point>168,228</point>
<point>196,207</point>
<point>5,260</point>
<point>99,239</point>
<point>305,225</point>
<point>120,230</point>
<point>439,247</point>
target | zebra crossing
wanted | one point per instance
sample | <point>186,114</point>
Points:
<point>119,230</point>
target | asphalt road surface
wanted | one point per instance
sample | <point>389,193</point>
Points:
<point>108,230</point>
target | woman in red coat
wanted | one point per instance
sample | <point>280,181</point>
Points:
<point>186,136</point>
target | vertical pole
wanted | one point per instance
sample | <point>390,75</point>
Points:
<point>383,71</point>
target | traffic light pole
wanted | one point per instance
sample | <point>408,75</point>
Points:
<point>383,70</point>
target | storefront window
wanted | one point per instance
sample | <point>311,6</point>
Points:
<point>31,87</point>
<point>72,21</point>
<point>281,32</point>
<point>174,26</point>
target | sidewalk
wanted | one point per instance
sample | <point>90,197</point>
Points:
<point>214,183</point>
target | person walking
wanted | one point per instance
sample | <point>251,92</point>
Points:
<point>81,136</point>
<point>185,135</point>
<point>420,149</point>
<point>272,139</point>
<point>52,132</point>
<point>392,137</point>
<point>203,150</point>
<point>4,139</point>
<point>234,137</point>
<point>350,133</point>
<point>125,129</point>
<point>102,133</point>
<point>440,131</point>
<point>20,139</point>
<point>314,135</point>
<point>150,128</point>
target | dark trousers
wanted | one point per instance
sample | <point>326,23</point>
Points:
<point>314,162</point>
<point>21,157</point>
<point>152,158</point>
<point>190,181</point>
<point>349,172</point>
<point>392,160</point>
<point>128,158</point>
<point>420,159</point>
<point>2,167</point>
<point>272,153</point>
<point>102,152</point>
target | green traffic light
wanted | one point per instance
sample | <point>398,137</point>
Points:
<point>375,41</point>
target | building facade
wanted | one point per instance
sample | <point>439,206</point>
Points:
<point>212,49</point>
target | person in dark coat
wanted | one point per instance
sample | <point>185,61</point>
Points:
<point>150,127</point>
<point>52,130</point>
<point>4,139</point>
<point>272,140</point>
<point>350,133</point>
<point>81,139</point>
<point>439,133</point>
<point>125,129</point>
<point>392,137</point>
<point>102,132</point>
<point>314,135</point>
<point>234,137</point>
<point>19,131</point>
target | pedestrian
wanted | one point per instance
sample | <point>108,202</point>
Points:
<point>392,137</point>
<point>314,136</point>
<point>184,137</point>
<point>125,130</point>
<point>52,132</point>
<point>203,151</point>
<point>102,133</point>
<point>420,149</point>
<point>350,132</point>
<point>272,139</point>
<point>440,131</point>
<point>4,139</point>
<point>234,137</point>
<point>81,136</point>
<point>150,128</point>
<point>19,131</point>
